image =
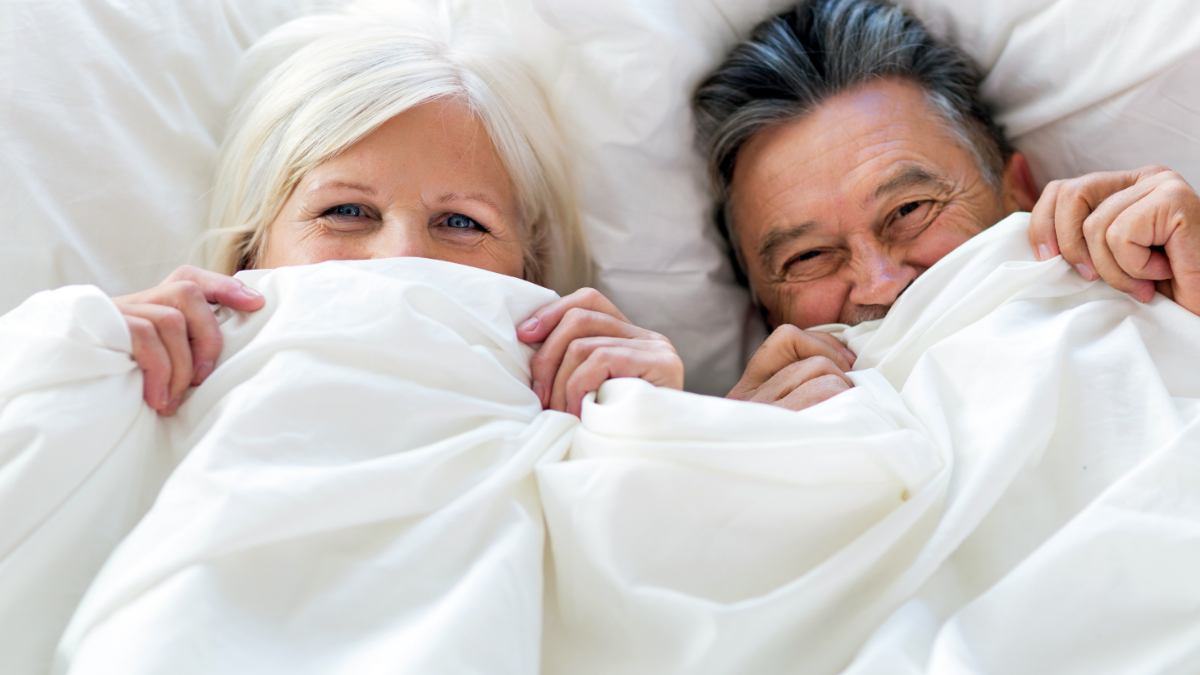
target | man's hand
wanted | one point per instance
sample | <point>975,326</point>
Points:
<point>795,369</point>
<point>176,339</point>
<point>587,341</point>
<point>1137,230</point>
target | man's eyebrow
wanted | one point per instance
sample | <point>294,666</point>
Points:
<point>909,176</point>
<point>776,239</point>
<point>329,185</point>
<point>473,197</point>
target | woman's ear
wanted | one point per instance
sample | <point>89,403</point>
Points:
<point>1017,190</point>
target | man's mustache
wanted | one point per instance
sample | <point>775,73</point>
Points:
<point>870,312</point>
<point>865,313</point>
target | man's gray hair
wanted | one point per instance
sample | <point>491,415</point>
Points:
<point>797,60</point>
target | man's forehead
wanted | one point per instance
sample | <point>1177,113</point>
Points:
<point>846,154</point>
<point>782,197</point>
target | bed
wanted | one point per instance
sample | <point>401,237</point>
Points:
<point>1037,512</point>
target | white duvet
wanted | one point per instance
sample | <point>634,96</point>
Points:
<point>367,485</point>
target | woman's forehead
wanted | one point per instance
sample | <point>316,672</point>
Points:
<point>439,146</point>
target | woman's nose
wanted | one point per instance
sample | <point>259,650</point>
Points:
<point>880,276</point>
<point>403,240</point>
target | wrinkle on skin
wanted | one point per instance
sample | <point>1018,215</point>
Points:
<point>817,204</point>
<point>406,178</point>
<point>468,127</point>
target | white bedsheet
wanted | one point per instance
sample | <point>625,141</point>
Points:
<point>350,426</point>
<point>360,487</point>
<point>1027,499</point>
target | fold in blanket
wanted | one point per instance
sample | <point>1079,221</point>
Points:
<point>366,483</point>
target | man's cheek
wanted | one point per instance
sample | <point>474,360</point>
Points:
<point>809,304</point>
<point>939,241</point>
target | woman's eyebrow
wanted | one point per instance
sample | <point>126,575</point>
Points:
<point>343,185</point>
<point>472,197</point>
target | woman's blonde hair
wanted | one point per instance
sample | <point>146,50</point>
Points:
<point>326,82</point>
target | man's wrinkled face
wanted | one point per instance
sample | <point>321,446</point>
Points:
<point>838,212</point>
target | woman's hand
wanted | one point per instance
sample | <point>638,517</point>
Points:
<point>1137,230</point>
<point>795,369</point>
<point>586,341</point>
<point>176,340</point>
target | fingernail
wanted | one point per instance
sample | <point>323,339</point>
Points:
<point>538,391</point>
<point>250,292</point>
<point>1085,271</point>
<point>163,399</point>
<point>204,370</point>
<point>529,326</point>
<point>1044,252</point>
<point>174,404</point>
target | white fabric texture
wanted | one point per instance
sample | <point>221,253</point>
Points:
<point>111,112</point>
<point>1086,85</point>
<point>361,485</point>
<point>365,444</point>
<point>79,461</point>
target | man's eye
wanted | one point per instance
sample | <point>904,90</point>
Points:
<point>910,220</point>
<point>908,208</point>
<point>458,221</point>
<point>345,211</point>
<point>811,265</point>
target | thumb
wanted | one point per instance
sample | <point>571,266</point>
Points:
<point>237,295</point>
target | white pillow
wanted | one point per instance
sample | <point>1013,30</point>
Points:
<point>1086,86</point>
<point>645,194</point>
<point>109,123</point>
<point>112,113</point>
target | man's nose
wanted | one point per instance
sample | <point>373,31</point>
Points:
<point>879,276</point>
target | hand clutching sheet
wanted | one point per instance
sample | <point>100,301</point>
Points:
<point>366,482</point>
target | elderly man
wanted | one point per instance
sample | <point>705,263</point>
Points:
<point>851,152</point>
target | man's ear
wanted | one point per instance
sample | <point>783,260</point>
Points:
<point>1017,190</point>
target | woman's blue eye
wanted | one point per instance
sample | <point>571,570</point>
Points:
<point>460,222</point>
<point>346,210</point>
<point>907,209</point>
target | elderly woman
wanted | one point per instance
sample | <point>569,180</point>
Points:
<point>376,142</point>
<point>369,139</point>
